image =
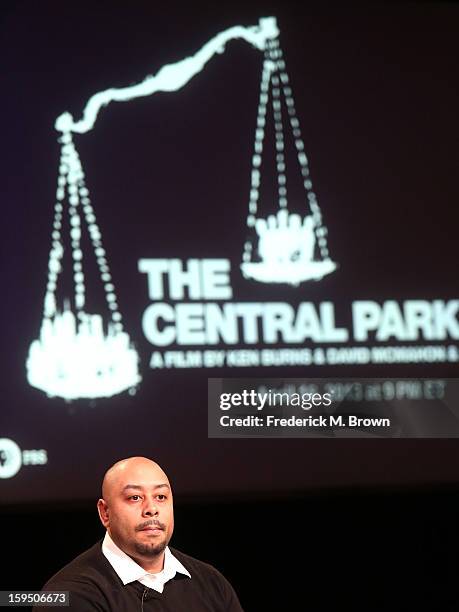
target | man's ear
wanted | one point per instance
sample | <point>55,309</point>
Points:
<point>102,508</point>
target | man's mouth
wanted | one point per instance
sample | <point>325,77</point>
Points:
<point>151,529</point>
<point>151,526</point>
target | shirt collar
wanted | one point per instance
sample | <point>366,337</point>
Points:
<point>129,571</point>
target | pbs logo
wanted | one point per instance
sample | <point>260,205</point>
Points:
<point>10,458</point>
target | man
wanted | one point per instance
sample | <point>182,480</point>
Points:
<point>133,569</point>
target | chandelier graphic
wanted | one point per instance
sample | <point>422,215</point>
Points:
<point>74,356</point>
<point>83,355</point>
<point>290,249</point>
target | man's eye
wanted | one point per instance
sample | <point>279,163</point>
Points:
<point>134,497</point>
<point>161,497</point>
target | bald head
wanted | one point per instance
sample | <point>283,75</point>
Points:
<point>128,471</point>
<point>137,510</point>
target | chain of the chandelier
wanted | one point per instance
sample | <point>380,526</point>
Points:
<point>274,78</point>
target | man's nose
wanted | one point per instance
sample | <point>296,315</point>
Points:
<point>150,509</point>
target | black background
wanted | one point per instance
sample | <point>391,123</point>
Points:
<point>376,92</point>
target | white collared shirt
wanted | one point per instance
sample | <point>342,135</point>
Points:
<point>129,571</point>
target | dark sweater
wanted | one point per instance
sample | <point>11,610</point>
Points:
<point>94,585</point>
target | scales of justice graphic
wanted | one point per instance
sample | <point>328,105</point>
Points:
<point>77,356</point>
